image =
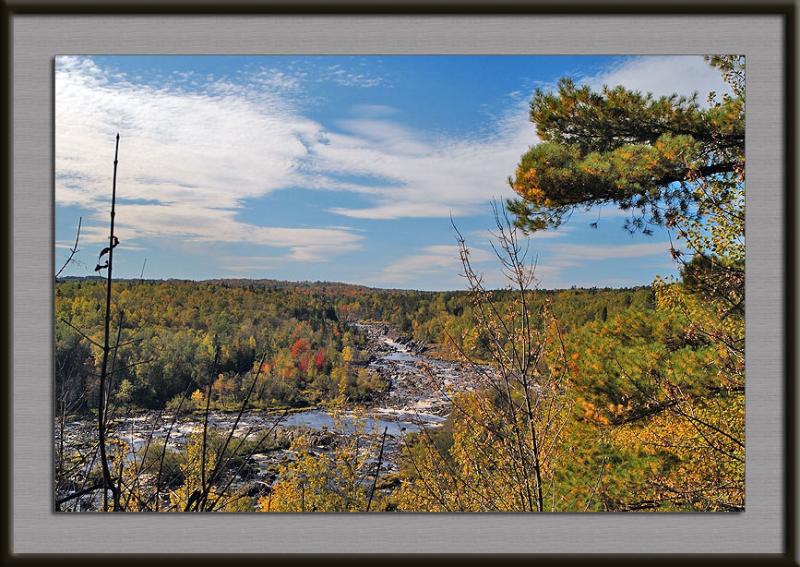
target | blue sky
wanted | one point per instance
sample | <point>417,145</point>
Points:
<point>328,168</point>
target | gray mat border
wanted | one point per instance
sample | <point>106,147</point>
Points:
<point>36,39</point>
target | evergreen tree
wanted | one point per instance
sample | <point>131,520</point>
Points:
<point>645,154</point>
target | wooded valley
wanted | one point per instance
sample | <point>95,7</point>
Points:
<point>263,395</point>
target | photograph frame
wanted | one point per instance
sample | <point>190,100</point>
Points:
<point>786,11</point>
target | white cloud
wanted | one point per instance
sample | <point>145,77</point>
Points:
<point>663,75</point>
<point>193,158</point>
<point>441,265</point>
<point>441,260</point>
<point>427,176</point>
<point>372,110</point>
<point>276,79</point>
<point>250,264</point>
<point>567,253</point>
<point>348,78</point>
<point>562,257</point>
<point>489,235</point>
<point>435,177</point>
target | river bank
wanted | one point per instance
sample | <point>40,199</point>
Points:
<point>418,395</point>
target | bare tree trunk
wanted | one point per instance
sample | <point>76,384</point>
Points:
<point>517,338</point>
<point>101,421</point>
<point>205,416</point>
<point>377,469</point>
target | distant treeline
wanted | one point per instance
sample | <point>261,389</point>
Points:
<point>210,336</point>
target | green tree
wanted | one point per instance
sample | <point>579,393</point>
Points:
<point>642,153</point>
<point>675,163</point>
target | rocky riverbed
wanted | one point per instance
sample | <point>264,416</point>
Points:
<point>418,396</point>
<point>420,384</point>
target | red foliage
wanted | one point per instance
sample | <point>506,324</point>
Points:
<point>319,359</point>
<point>299,347</point>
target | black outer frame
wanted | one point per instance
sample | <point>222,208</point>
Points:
<point>785,8</point>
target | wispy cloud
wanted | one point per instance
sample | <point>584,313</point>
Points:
<point>209,150</point>
<point>197,148</point>
<point>561,259</point>
<point>435,177</point>
<point>488,235</point>
<point>440,260</point>
<point>570,253</point>
<point>349,78</point>
<point>427,176</point>
<point>249,265</point>
<point>372,110</point>
<point>441,264</point>
<point>663,75</point>
<point>194,156</point>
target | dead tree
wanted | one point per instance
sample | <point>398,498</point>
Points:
<point>108,483</point>
<point>73,250</point>
<point>517,419</point>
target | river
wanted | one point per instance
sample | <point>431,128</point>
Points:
<point>418,396</point>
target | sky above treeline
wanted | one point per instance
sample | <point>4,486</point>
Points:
<point>327,168</point>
